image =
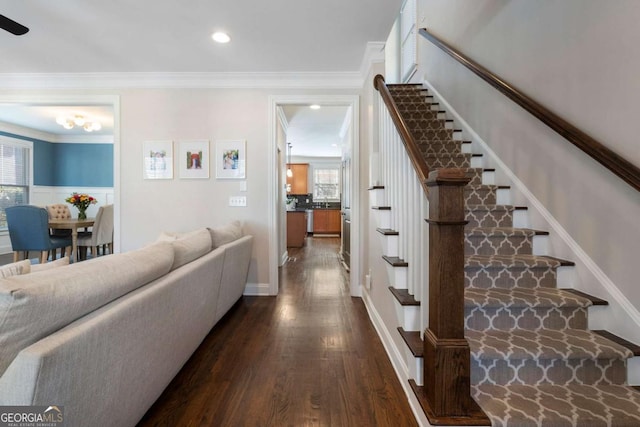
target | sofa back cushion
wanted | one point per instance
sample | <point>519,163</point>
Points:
<point>188,246</point>
<point>35,305</point>
<point>226,234</point>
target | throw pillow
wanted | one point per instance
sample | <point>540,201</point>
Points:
<point>49,265</point>
<point>226,234</point>
<point>15,269</point>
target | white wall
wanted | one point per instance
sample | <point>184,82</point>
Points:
<point>578,58</point>
<point>148,207</point>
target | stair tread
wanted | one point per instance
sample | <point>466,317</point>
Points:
<point>513,261</point>
<point>489,208</point>
<point>404,297</point>
<point>503,231</point>
<point>543,344</point>
<point>522,298</point>
<point>395,261</point>
<point>413,341</point>
<point>567,405</point>
<point>387,231</point>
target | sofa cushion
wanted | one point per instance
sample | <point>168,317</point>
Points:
<point>226,234</point>
<point>33,306</point>
<point>190,246</point>
<point>49,265</point>
<point>15,268</point>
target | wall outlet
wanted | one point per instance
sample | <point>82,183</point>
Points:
<point>367,281</point>
<point>238,201</point>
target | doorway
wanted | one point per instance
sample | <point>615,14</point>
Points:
<point>93,103</point>
<point>277,209</point>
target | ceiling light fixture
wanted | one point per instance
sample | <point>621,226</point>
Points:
<point>314,106</point>
<point>69,122</point>
<point>221,37</point>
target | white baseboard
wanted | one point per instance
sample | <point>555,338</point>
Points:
<point>397,360</point>
<point>257,289</point>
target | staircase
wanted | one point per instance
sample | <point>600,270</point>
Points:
<point>534,362</point>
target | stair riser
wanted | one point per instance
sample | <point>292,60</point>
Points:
<point>422,124</point>
<point>432,134</point>
<point>397,277</point>
<point>408,316</point>
<point>509,277</point>
<point>553,371</point>
<point>497,245</point>
<point>440,148</point>
<point>533,319</point>
<point>483,195</point>
<point>489,218</point>
<point>413,115</point>
<point>441,162</point>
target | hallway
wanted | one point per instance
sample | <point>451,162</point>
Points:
<point>309,357</point>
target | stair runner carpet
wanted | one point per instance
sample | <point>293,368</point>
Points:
<point>533,360</point>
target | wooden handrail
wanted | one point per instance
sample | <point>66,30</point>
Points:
<point>603,155</point>
<point>417,160</point>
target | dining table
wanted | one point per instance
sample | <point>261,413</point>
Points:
<point>72,224</point>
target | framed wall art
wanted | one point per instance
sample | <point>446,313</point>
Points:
<point>158,159</point>
<point>193,159</point>
<point>230,159</point>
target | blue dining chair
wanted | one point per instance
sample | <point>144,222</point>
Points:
<point>29,231</point>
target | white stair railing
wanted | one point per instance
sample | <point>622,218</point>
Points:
<point>409,207</point>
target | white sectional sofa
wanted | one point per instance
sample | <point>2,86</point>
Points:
<point>103,338</point>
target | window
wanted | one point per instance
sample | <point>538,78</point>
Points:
<point>326,184</point>
<point>14,176</point>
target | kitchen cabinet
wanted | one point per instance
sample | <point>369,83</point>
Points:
<point>297,184</point>
<point>296,229</point>
<point>326,221</point>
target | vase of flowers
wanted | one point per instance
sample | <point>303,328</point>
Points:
<point>82,202</point>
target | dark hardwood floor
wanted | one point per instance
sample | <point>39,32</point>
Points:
<point>308,357</point>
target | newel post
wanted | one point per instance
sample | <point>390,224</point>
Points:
<point>447,368</point>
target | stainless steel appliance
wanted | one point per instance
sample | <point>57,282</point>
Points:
<point>309,220</point>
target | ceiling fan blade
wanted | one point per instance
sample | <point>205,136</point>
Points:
<point>12,26</point>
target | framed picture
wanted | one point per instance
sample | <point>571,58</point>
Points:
<point>193,159</point>
<point>230,159</point>
<point>158,159</point>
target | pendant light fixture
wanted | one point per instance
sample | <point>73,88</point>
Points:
<point>289,171</point>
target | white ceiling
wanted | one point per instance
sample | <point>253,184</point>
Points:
<point>72,36</point>
<point>118,36</point>
<point>315,133</point>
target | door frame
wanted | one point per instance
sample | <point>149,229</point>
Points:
<point>352,101</point>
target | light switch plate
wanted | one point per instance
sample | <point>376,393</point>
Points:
<point>238,201</point>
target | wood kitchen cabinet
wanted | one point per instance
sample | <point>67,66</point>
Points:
<point>296,229</point>
<point>298,181</point>
<point>326,221</point>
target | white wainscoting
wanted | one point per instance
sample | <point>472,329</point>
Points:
<point>43,196</point>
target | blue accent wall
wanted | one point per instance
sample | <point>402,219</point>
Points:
<point>43,163</point>
<point>67,165</point>
<point>83,165</point>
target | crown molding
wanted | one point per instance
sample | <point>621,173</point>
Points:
<point>322,80</point>
<point>373,53</point>
<point>26,132</point>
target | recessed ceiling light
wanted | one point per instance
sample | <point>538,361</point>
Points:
<point>314,106</point>
<point>221,37</point>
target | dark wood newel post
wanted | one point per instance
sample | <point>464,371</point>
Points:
<point>447,368</point>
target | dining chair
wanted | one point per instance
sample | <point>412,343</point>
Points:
<point>101,234</point>
<point>29,231</point>
<point>59,211</point>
